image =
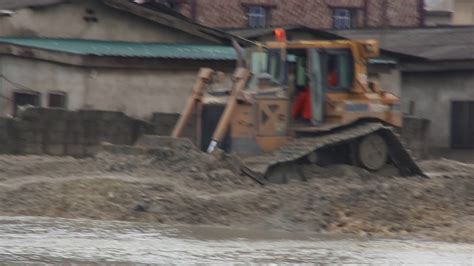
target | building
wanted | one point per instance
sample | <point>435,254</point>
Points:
<point>322,14</point>
<point>109,55</point>
<point>449,12</point>
<point>438,86</point>
<point>438,12</point>
<point>463,12</point>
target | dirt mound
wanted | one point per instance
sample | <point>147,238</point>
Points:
<point>189,187</point>
<point>444,166</point>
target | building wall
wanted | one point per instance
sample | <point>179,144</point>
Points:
<point>140,93</point>
<point>436,18</point>
<point>136,92</point>
<point>463,12</point>
<point>439,5</point>
<point>315,13</point>
<point>67,21</point>
<point>432,94</point>
<point>401,13</point>
<point>388,76</point>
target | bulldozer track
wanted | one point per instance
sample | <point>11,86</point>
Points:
<point>258,166</point>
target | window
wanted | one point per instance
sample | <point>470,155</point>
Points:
<point>25,99</point>
<point>57,100</point>
<point>339,69</point>
<point>343,18</point>
<point>257,16</point>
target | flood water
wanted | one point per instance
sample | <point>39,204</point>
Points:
<point>45,240</point>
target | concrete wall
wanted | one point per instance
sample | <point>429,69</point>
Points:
<point>414,134</point>
<point>136,92</point>
<point>439,4</point>
<point>431,94</point>
<point>60,132</point>
<point>67,21</point>
<point>388,76</point>
<point>42,77</point>
<point>463,12</point>
<point>164,123</point>
<point>436,18</point>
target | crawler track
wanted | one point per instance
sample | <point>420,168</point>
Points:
<point>258,166</point>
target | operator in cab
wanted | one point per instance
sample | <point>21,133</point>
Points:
<point>302,105</point>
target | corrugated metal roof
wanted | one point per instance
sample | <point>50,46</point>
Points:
<point>127,49</point>
<point>433,43</point>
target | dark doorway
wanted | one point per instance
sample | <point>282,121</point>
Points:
<point>210,118</point>
<point>462,124</point>
<point>23,99</point>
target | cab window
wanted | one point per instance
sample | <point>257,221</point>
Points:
<point>339,68</point>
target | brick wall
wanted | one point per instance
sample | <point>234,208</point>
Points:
<point>314,13</point>
<point>399,13</point>
<point>61,132</point>
<point>164,123</point>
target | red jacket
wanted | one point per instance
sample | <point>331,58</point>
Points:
<point>302,105</point>
<point>332,79</point>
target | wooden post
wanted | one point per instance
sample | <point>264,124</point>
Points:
<point>204,76</point>
<point>241,77</point>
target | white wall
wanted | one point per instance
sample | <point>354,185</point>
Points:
<point>388,76</point>
<point>432,94</point>
<point>41,77</point>
<point>67,21</point>
<point>439,5</point>
<point>137,92</point>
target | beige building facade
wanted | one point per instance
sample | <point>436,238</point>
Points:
<point>449,12</point>
<point>463,12</point>
<point>138,92</point>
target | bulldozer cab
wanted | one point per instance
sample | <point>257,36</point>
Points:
<point>306,75</point>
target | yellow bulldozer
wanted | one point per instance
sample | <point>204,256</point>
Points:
<point>299,102</point>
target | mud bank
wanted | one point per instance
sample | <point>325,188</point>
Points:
<point>189,187</point>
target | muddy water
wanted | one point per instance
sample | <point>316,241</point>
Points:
<point>43,240</point>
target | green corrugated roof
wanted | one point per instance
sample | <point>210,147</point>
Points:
<point>131,49</point>
<point>127,49</point>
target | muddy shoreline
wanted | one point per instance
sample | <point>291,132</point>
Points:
<point>83,241</point>
<point>192,188</point>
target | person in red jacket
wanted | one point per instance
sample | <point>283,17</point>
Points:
<point>302,105</point>
<point>332,79</point>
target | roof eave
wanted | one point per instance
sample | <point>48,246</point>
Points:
<point>176,21</point>
<point>15,5</point>
<point>93,60</point>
